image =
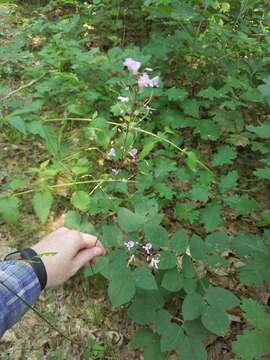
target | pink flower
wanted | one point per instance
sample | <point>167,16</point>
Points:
<point>132,65</point>
<point>112,152</point>
<point>148,247</point>
<point>145,81</point>
<point>133,153</point>
<point>129,244</point>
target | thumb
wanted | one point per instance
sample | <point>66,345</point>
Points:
<point>84,256</point>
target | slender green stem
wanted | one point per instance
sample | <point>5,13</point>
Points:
<point>71,184</point>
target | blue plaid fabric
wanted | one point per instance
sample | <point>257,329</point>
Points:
<point>21,278</point>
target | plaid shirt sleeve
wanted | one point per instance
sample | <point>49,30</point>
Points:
<point>22,280</point>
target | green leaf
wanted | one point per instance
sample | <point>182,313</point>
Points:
<point>192,306</point>
<point>192,348</point>
<point>221,298</point>
<point>191,107</point>
<point>198,248</point>
<point>262,131</point>
<point>217,242</point>
<point>148,341</point>
<point>9,209</point>
<point>196,330</point>
<point>215,320</point>
<point>262,173</point>
<point>18,183</point>
<point>121,288</point>
<point>129,221</point>
<point>142,338</point>
<point>243,205</point>
<point>81,200</point>
<point>179,241</point>
<point>224,156</point>
<point>176,94</point>
<point>199,192</point>
<point>162,321</point>
<point>73,220</point>
<point>192,160</point>
<point>190,285</point>
<point>167,260</point>
<point>18,123</point>
<point>146,150</point>
<point>186,212</point>
<point>211,216</point>
<point>255,314</point>
<point>211,93</point>
<point>141,311</point>
<point>172,338</point>
<point>252,345</point>
<point>172,280</point>
<point>208,130</point>
<point>188,269</point>
<point>144,279</point>
<point>42,202</point>
<point>228,181</point>
<point>156,234</point>
<point>112,235</point>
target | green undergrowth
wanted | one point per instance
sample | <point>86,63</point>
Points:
<point>165,157</point>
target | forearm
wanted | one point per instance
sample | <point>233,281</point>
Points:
<point>16,277</point>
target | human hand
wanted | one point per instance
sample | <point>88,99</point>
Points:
<point>72,249</point>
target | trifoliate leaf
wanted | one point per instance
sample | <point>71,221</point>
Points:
<point>42,202</point>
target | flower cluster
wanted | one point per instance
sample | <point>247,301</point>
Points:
<point>143,80</point>
<point>152,261</point>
